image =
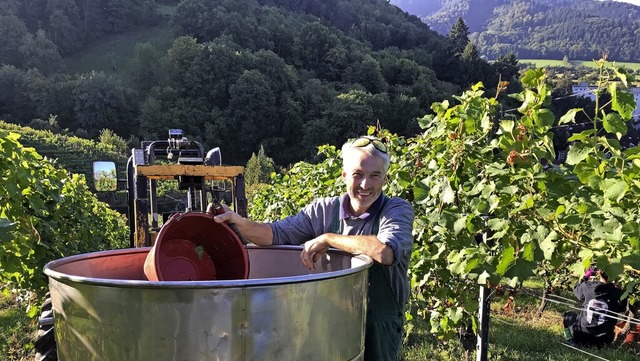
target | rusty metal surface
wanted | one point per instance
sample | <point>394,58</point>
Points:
<point>171,171</point>
<point>105,310</point>
<point>141,237</point>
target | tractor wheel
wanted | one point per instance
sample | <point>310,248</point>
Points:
<point>45,344</point>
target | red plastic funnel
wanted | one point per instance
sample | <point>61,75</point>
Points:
<point>193,247</point>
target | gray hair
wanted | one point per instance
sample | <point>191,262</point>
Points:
<point>348,150</point>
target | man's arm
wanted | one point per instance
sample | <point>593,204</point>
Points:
<point>254,232</point>
<point>368,245</point>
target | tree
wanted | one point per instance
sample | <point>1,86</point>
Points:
<point>312,45</point>
<point>399,71</point>
<point>9,7</point>
<point>281,76</point>
<point>117,15</point>
<point>276,31</point>
<point>240,28</point>
<point>507,67</point>
<point>459,37</point>
<point>12,33</point>
<point>100,102</point>
<point>93,20</point>
<point>349,114</point>
<point>259,168</point>
<point>143,69</point>
<point>472,65</point>
<point>53,95</point>
<point>14,95</point>
<point>198,18</point>
<point>158,112</point>
<point>367,73</point>
<point>40,53</point>
<point>113,141</point>
<point>63,24</point>
<point>215,68</point>
<point>179,57</point>
<point>252,111</point>
<point>315,98</point>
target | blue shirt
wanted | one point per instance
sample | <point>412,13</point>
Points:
<point>395,230</point>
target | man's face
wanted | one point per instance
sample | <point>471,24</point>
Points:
<point>364,175</point>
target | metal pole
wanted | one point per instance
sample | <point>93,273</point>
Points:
<point>483,332</point>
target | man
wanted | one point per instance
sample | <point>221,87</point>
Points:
<point>361,221</point>
<point>595,324</point>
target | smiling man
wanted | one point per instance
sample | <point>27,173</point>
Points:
<point>361,221</point>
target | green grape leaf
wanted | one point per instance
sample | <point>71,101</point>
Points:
<point>455,314</point>
<point>548,245</point>
<point>622,101</point>
<point>577,153</point>
<point>614,124</point>
<point>544,118</point>
<point>420,192</point>
<point>507,258</point>
<point>632,260</point>
<point>448,195</point>
<point>570,116</point>
<point>614,189</point>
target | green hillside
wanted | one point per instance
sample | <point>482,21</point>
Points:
<point>575,63</point>
<point>71,153</point>
<point>543,29</point>
<point>236,74</point>
<point>113,53</point>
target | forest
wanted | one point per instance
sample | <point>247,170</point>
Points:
<point>541,29</point>
<point>287,76</point>
<point>472,142</point>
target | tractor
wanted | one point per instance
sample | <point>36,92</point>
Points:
<point>200,176</point>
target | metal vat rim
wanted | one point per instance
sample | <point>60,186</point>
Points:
<point>242,283</point>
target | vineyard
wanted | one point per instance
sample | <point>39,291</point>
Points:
<point>65,149</point>
<point>468,175</point>
<point>492,207</point>
<point>47,213</point>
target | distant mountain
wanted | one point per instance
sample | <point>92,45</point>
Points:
<point>550,29</point>
<point>417,7</point>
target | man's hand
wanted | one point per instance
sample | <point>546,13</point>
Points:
<point>217,208</point>
<point>248,231</point>
<point>312,251</point>
<point>226,215</point>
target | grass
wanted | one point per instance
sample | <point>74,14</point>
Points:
<point>540,63</point>
<point>515,334</point>
<point>16,330</point>
<point>113,53</point>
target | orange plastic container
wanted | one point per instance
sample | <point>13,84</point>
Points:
<point>631,337</point>
<point>193,247</point>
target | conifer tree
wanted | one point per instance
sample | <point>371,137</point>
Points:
<point>259,168</point>
<point>459,37</point>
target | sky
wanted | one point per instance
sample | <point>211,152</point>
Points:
<point>634,2</point>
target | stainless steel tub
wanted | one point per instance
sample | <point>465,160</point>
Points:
<point>105,310</point>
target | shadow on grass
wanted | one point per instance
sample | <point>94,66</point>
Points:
<point>512,338</point>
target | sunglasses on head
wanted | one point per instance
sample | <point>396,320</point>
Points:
<point>365,140</point>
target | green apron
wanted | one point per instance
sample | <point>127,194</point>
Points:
<point>385,318</point>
